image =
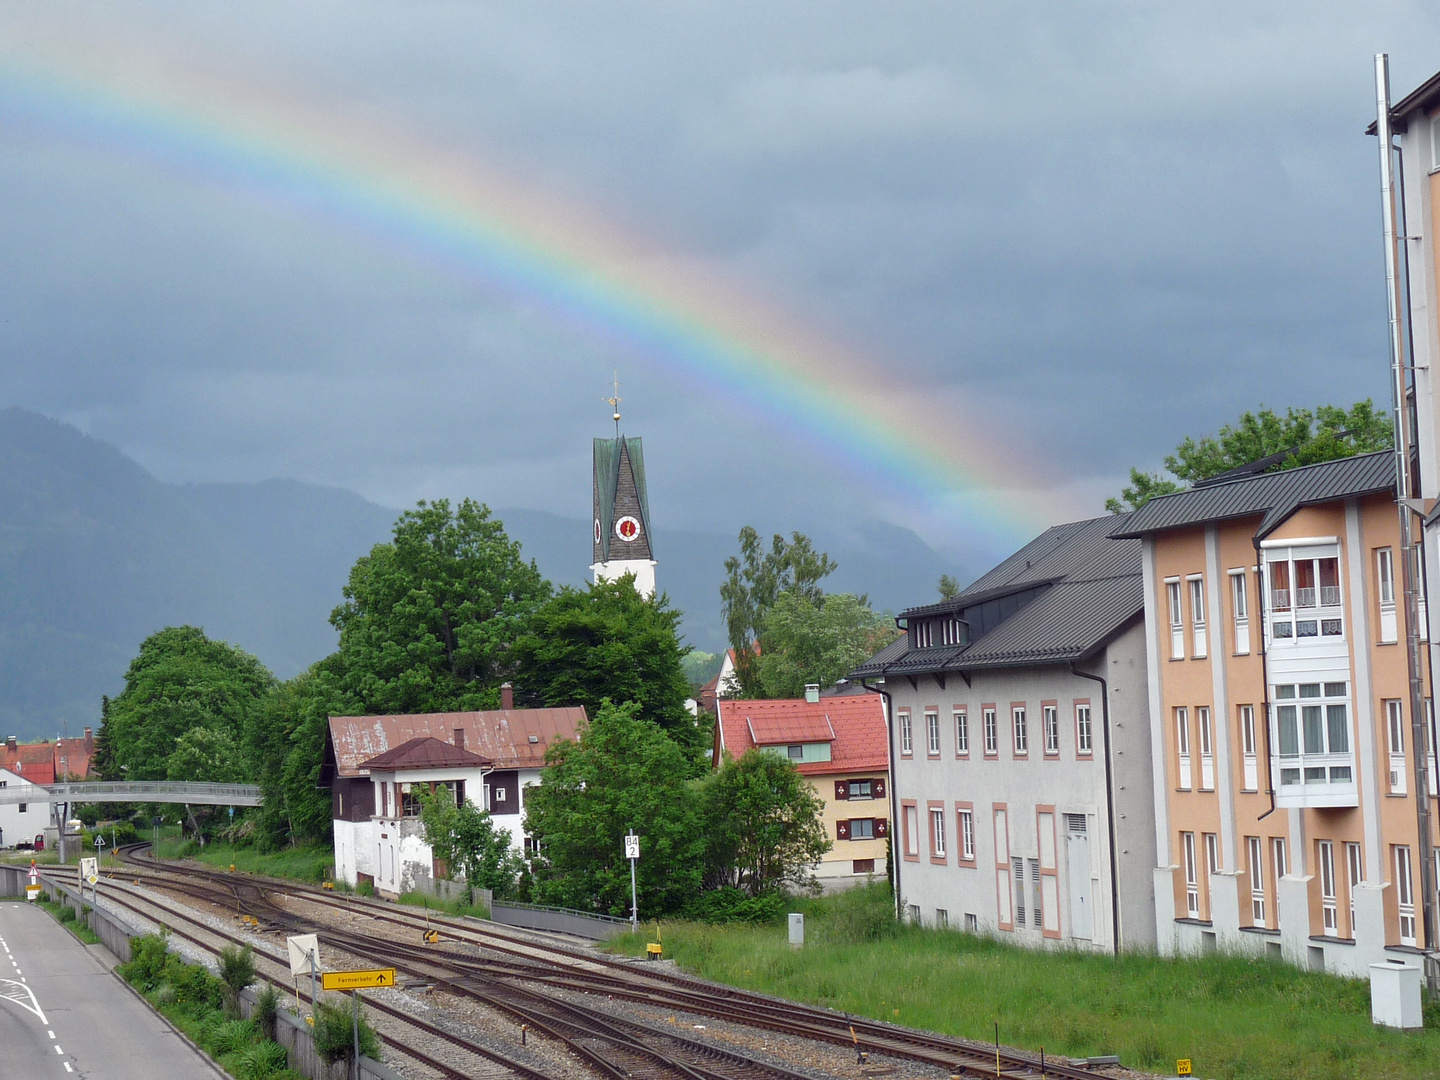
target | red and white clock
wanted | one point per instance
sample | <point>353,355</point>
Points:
<point>627,528</point>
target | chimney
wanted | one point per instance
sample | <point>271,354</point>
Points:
<point>460,737</point>
<point>89,735</point>
<point>812,692</point>
<point>507,696</point>
<point>10,743</point>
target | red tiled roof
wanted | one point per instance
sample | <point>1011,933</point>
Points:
<point>503,735</point>
<point>425,753</point>
<point>44,762</point>
<point>72,757</point>
<point>857,723</point>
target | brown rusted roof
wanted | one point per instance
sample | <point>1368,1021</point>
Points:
<point>503,735</point>
<point>426,752</point>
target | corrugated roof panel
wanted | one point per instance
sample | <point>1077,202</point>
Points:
<point>1362,474</point>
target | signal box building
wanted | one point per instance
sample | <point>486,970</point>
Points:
<point>1020,748</point>
<point>1284,814</point>
<point>376,765</point>
<point>838,745</point>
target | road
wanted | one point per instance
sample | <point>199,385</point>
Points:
<point>63,1014</point>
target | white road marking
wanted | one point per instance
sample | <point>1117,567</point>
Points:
<point>58,1050</point>
<point>51,1034</point>
<point>68,1068</point>
<point>22,995</point>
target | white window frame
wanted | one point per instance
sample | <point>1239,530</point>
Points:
<point>992,733</point>
<point>1389,628</point>
<point>932,732</point>
<point>1182,746</point>
<point>1329,897</point>
<point>1207,748</point>
<point>1195,586</point>
<point>962,732</point>
<point>1250,761</point>
<point>907,735</point>
<point>1278,861</point>
<point>1405,893</point>
<point>1354,875</point>
<point>1192,875</point>
<point>1050,720</point>
<point>1177,618</point>
<point>967,835</point>
<point>1256,850</point>
<point>1019,731</point>
<point>1084,744</point>
<point>1240,609</point>
<point>1395,744</point>
<point>937,832</point>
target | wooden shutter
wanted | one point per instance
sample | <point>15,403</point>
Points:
<point>882,828</point>
<point>878,788</point>
<point>842,830</point>
<point>842,789</point>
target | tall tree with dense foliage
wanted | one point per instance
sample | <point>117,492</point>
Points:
<point>608,641</point>
<point>429,618</point>
<point>466,838</point>
<point>762,823</point>
<point>817,642</point>
<point>1302,437</point>
<point>754,580</point>
<point>182,681</point>
<point>623,773</point>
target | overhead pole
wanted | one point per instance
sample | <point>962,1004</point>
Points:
<point>1405,495</point>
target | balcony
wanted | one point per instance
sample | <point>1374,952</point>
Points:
<point>1315,780</point>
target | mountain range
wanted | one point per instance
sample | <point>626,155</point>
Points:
<point>96,554</point>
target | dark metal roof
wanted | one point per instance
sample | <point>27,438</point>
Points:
<point>1086,586</point>
<point>1275,495</point>
<point>1421,98</point>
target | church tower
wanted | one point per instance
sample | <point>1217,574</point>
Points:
<point>622,510</point>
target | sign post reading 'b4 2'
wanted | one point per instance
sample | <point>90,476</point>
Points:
<point>632,852</point>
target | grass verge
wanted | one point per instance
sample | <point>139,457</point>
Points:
<point>310,862</point>
<point>445,907</point>
<point>1236,1018</point>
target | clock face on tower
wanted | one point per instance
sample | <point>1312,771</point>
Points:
<point>597,530</point>
<point>627,528</point>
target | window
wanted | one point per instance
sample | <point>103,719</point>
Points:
<point>1018,867</point>
<point>1051,717</point>
<point>1197,614</point>
<point>942,918</point>
<point>860,790</point>
<point>1212,853</point>
<point>932,733</point>
<point>1022,740</point>
<point>1207,750</point>
<point>1385,591</point>
<point>937,833</point>
<point>952,632</point>
<point>967,835</point>
<point>797,753</point>
<point>1405,895</point>
<point>907,742</point>
<point>1329,902</point>
<point>962,733</point>
<point>862,828</point>
<point>1177,619</point>
<point>1304,593</point>
<point>1250,764</point>
<point>1395,732</point>
<point>992,735</point>
<point>1240,607</point>
<point>1257,880</point>
<point>1192,875</point>
<point>862,866</point>
<point>1355,874</point>
<point>1277,859</point>
<point>912,831</point>
<point>972,923</point>
<point>914,910</point>
<point>924,634</point>
<point>1082,730</point>
<point>1313,722</point>
<point>22,808</point>
<point>1182,746</point>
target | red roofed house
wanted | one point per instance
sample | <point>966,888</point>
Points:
<point>373,765</point>
<point>839,745</point>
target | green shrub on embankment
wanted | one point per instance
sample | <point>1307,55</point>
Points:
<point>311,863</point>
<point>1234,1017</point>
<point>194,1001</point>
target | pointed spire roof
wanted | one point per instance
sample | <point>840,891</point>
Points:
<point>621,503</point>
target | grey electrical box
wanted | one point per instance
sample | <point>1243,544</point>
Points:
<point>797,929</point>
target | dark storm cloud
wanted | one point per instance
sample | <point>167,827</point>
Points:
<point>1068,213</point>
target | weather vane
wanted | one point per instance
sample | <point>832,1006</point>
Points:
<point>614,403</point>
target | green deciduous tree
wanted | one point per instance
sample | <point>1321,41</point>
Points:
<point>182,681</point>
<point>623,773</point>
<point>948,587</point>
<point>819,641</point>
<point>209,755</point>
<point>762,822</point>
<point>467,839</point>
<point>1302,437</point>
<point>754,580</point>
<point>607,641</point>
<point>429,618</point>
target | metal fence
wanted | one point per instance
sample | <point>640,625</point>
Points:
<point>150,791</point>
<point>558,920</point>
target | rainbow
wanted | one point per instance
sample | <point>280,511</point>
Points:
<point>348,169</point>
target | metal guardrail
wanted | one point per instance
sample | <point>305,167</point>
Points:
<point>151,791</point>
<point>558,920</point>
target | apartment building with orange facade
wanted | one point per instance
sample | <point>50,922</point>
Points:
<point>1284,814</point>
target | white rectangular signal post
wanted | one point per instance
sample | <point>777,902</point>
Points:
<point>632,852</point>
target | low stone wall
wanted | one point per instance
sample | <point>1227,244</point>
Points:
<point>115,933</point>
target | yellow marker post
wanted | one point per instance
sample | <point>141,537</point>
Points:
<point>1182,1067</point>
<point>357,980</point>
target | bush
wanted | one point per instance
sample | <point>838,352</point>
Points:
<point>262,1061</point>
<point>730,904</point>
<point>65,914</point>
<point>334,1032</point>
<point>120,832</point>
<point>365,888</point>
<point>267,1004</point>
<point>230,1037</point>
<point>864,913</point>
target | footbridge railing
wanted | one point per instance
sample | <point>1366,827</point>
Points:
<point>130,791</point>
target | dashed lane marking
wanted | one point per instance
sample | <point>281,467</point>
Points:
<point>58,1050</point>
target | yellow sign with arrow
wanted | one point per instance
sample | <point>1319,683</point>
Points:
<point>357,980</point>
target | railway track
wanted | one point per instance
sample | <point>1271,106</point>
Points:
<point>514,975</point>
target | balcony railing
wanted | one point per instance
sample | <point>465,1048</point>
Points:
<point>1304,598</point>
<point>1280,599</point>
<point>1329,595</point>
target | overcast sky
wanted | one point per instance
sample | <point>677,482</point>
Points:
<point>1103,225</point>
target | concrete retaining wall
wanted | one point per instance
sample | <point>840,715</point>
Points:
<point>115,933</point>
<point>558,920</point>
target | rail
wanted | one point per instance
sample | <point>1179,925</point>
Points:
<point>143,791</point>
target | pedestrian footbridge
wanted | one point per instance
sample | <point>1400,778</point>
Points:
<point>135,791</point>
